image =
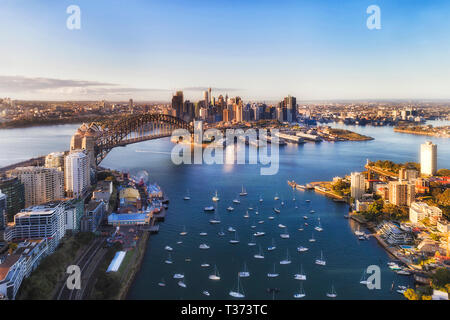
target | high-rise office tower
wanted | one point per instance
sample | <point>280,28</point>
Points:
<point>177,103</point>
<point>428,158</point>
<point>77,173</point>
<point>290,103</point>
<point>14,190</point>
<point>41,184</point>
<point>357,185</point>
<point>210,97</point>
<point>2,210</point>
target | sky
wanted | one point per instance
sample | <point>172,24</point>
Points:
<point>259,50</point>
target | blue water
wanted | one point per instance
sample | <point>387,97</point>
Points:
<point>346,256</point>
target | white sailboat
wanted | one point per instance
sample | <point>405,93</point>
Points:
<point>276,210</point>
<point>287,260</point>
<point>261,221</point>
<point>363,279</point>
<point>237,201</point>
<point>312,238</point>
<point>271,217</point>
<point>169,259</point>
<point>203,234</point>
<point>246,215</point>
<point>178,276</point>
<point>162,283</point>
<point>184,232</point>
<point>235,240</point>
<point>182,284</point>
<point>215,198</point>
<point>221,233</point>
<point>321,261</point>
<point>318,227</point>
<point>168,248</point>
<point>312,211</point>
<point>252,242</point>
<point>259,255</point>
<point>230,208</point>
<point>273,274</point>
<point>239,293</point>
<point>215,275</point>
<point>281,226</point>
<point>216,219</point>
<point>259,234</point>
<point>273,246</point>
<point>301,275</point>
<point>204,246</point>
<point>332,293</point>
<point>206,293</point>
<point>243,192</point>
<point>301,293</point>
<point>208,209</point>
<point>245,273</point>
<point>231,229</point>
<point>302,249</point>
<point>205,265</point>
<point>276,197</point>
<point>260,199</point>
<point>285,235</point>
<point>187,196</point>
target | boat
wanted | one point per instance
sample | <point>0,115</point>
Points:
<point>231,229</point>
<point>246,215</point>
<point>359,233</point>
<point>276,197</point>
<point>312,211</point>
<point>215,220</point>
<point>168,248</point>
<point>261,221</point>
<point>401,291</point>
<point>363,279</point>
<point>162,283</point>
<point>332,293</point>
<point>187,196</point>
<point>236,201</point>
<point>306,224</point>
<point>256,212</point>
<point>273,274</point>
<point>215,275</point>
<point>182,284</point>
<point>259,255</point>
<point>273,246</point>
<point>285,235</point>
<point>307,200</point>
<point>282,203</point>
<point>184,232</point>
<point>203,234</point>
<point>300,229</point>
<point>169,259</point>
<point>203,246</point>
<point>221,233</point>
<point>362,238</point>
<point>252,242</point>
<point>179,242</point>
<point>230,208</point>
<point>276,210</point>
<point>287,260</point>
<point>239,293</point>
<point>281,226</point>
<point>312,238</point>
<point>261,199</point>
<point>318,227</point>
<point>215,198</point>
<point>271,217</point>
<point>302,249</point>
<point>403,273</point>
<point>210,208</point>
<point>253,226</point>
<point>301,275</point>
<point>321,261</point>
<point>245,273</point>
<point>243,192</point>
<point>250,208</point>
<point>259,234</point>
<point>300,294</point>
<point>206,293</point>
<point>235,240</point>
<point>178,276</point>
<point>187,259</point>
<point>205,265</point>
<point>305,217</point>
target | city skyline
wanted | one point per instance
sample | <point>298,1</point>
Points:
<point>317,51</point>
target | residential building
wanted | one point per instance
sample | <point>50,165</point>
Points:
<point>421,210</point>
<point>14,190</point>
<point>12,272</point>
<point>41,184</point>
<point>408,174</point>
<point>55,160</point>
<point>357,185</point>
<point>401,193</point>
<point>2,210</point>
<point>77,173</point>
<point>95,212</point>
<point>428,158</point>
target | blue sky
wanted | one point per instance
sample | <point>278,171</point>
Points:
<point>260,50</point>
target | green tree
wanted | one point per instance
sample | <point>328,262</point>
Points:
<point>441,278</point>
<point>443,172</point>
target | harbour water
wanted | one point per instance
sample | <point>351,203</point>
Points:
<point>346,256</point>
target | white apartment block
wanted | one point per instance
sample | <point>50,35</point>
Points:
<point>420,210</point>
<point>77,173</point>
<point>428,158</point>
<point>357,185</point>
<point>41,184</point>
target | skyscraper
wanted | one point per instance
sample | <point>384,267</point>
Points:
<point>77,175</point>
<point>2,210</point>
<point>428,158</point>
<point>14,190</point>
<point>357,187</point>
<point>177,103</point>
<point>41,184</point>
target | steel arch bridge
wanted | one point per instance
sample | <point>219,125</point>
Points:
<point>133,129</point>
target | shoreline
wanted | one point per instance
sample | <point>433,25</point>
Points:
<point>421,133</point>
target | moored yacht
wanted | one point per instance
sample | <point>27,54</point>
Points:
<point>210,208</point>
<point>285,235</point>
<point>245,273</point>
<point>215,198</point>
<point>243,192</point>
<point>259,255</point>
<point>235,240</point>
<point>178,276</point>
<point>259,234</point>
<point>273,274</point>
<point>239,293</point>
<point>318,227</point>
<point>302,249</point>
<point>287,260</point>
<point>187,196</point>
<point>215,275</point>
<point>321,261</point>
<point>203,246</point>
<point>300,294</point>
<point>273,246</point>
<point>301,275</point>
<point>168,248</point>
<point>276,210</point>
<point>230,208</point>
<point>332,293</point>
<point>184,232</point>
